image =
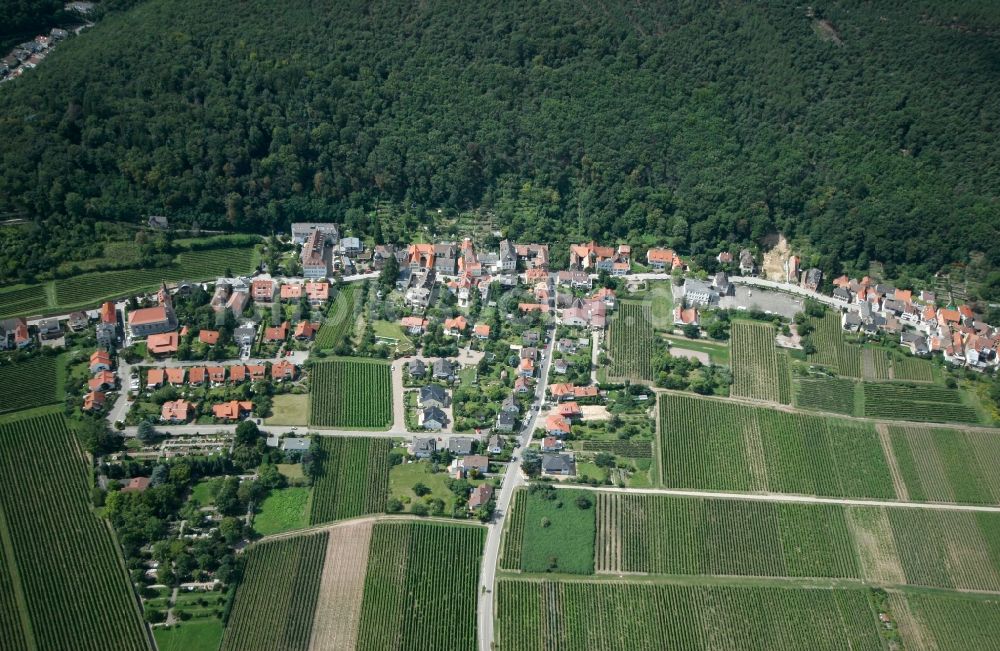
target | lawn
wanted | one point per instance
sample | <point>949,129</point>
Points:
<point>197,635</point>
<point>206,490</point>
<point>403,476</point>
<point>558,535</point>
<point>291,470</point>
<point>283,510</point>
<point>394,331</point>
<point>718,353</point>
<point>289,409</point>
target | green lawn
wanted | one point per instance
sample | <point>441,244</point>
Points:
<point>403,476</point>
<point>289,409</point>
<point>718,353</point>
<point>291,470</point>
<point>206,490</point>
<point>394,331</point>
<point>283,510</point>
<point>196,635</point>
<point>558,534</point>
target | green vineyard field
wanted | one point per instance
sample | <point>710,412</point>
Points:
<point>33,383</point>
<point>22,300</point>
<point>543,615</point>
<point>948,465</point>
<point>351,393</point>
<point>510,552</point>
<point>276,601</point>
<point>917,402</point>
<point>629,449</point>
<point>723,445</point>
<point>825,394</point>
<point>632,344</point>
<point>760,371</point>
<point>421,587</point>
<point>912,369</point>
<point>353,479</point>
<point>832,349</point>
<point>947,621</point>
<point>75,589</point>
<point>668,535</point>
<point>339,319</point>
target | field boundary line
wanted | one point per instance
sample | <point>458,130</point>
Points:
<point>381,517</point>
<point>890,458</point>
<point>15,579</point>
<point>788,498</point>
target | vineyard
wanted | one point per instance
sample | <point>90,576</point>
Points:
<point>760,371</point>
<point>91,288</point>
<point>948,465</point>
<point>631,342</point>
<point>825,394</point>
<point>723,445</point>
<point>353,479</point>
<point>421,587</point>
<point>536,615</point>
<point>912,369</point>
<point>917,402</point>
<point>629,449</point>
<point>875,364</point>
<point>831,348</point>
<point>70,579</point>
<point>513,537</point>
<point>22,300</point>
<point>339,319</point>
<point>276,600</point>
<point>946,621</point>
<point>670,535</point>
<point>351,393</point>
<point>41,374</point>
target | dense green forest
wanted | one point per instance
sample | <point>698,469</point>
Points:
<point>864,131</point>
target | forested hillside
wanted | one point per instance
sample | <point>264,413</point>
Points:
<point>868,131</point>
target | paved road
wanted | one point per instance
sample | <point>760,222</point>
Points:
<point>512,479</point>
<point>766,284</point>
<point>194,430</point>
<point>796,499</point>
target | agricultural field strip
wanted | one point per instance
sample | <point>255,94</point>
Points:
<point>973,427</point>
<point>790,498</point>
<point>378,517</point>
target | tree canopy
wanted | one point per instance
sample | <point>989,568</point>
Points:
<point>863,131</point>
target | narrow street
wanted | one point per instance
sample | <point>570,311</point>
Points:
<point>512,479</point>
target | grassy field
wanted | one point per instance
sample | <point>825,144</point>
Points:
<point>917,402</point>
<point>36,382</point>
<point>289,409</point>
<point>631,343</point>
<point>760,370</point>
<point>353,479</point>
<point>339,318</point>
<point>276,600</point>
<point>421,586</point>
<point>197,635</point>
<point>723,445</point>
<point>283,510</point>
<point>64,583</point>
<point>387,330</point>
<point>351,393</point>
<point>611,615</point>
<point>404,476</point>
<point>717,352</point>
<point>553,533</point>
<point>948,465</point>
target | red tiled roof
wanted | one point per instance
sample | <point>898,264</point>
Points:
<point>175,375</point>
<point>101,380</point>
<point>93,400</point>
<point>108,313</point>
<point>179,410</point>
<point>100,357</point>
<point>232,410</point>
<point>147,315</point>
<point>238,373</point>
<point>282,369</point>
<point>162,344</point>
<point>155,377</point>
<point>217,374</point>
<point>210,337</point>
<point>196,374</point>
<point>291,291</point>
<point>482,330</point>
<point>279,333</point>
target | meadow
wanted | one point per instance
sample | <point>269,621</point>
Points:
<point>283,510</point>
<point>63,579</point>
<point>351,393</point>
<point>353,478</point>
<point>553,533</point>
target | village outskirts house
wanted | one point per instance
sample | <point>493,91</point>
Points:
<point>558,464</point>
<point>432,418</point>
<point>423,447</point>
